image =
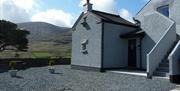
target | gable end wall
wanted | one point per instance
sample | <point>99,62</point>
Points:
<point>93,57</point>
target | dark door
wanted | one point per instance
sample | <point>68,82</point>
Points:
<point>132,53</point>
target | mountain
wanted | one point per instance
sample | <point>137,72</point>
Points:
<point>45,40</point>
<point>41,31</point>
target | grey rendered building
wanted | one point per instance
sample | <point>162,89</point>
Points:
<point>103,41</point>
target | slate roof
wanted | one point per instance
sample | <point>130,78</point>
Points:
<point>112,18</point>
<point>107,17</point>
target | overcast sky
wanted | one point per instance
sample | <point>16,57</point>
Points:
<point>63,12</point>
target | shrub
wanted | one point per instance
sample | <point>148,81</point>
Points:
<point>16,55</point>
<point>12,64</point>
<point>51,62</point>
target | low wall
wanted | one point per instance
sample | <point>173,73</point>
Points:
<point>174,59</point>
<point>23,63</point>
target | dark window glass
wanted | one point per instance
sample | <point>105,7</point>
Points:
<point>164,10</point>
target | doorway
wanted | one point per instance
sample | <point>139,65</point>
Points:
<point>132,53</point>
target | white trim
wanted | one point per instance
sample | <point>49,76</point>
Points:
<point>134,73</point>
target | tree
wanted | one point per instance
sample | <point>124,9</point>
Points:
<point>11,35</point>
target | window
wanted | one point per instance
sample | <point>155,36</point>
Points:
<point>164,10</point>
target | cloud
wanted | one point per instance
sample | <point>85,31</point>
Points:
<point>29,10</point>
<point>102,5</point>
<point>109,6</point>
<point>11,10</point>
<point>124,13</point>
<point>27,5</point>
<point>53,16</point>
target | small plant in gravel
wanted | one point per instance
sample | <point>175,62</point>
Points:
<point>12,65</point>
<point>51,63</point>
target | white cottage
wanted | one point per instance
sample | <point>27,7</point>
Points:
<point>103,41</point>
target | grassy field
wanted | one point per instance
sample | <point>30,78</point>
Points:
<point>40,55</point>
<point>41,50</point>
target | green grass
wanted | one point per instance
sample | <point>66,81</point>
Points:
<point>41,55</point>
<point>41,50</point>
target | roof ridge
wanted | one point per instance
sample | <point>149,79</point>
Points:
<point>112,18</point>
<point>111,15</point>
<point>107,13</point>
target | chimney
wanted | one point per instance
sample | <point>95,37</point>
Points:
<point>87,7</point>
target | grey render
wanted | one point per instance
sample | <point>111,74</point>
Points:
<point>115,48</point>
<point>105,49</point>
<point>93,57</point>
<point>114,55</point>
<point>154,31</point>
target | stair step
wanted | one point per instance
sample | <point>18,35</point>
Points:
<point>162,69</point>
<point>165,61</point>
<point>164,74</point>
<point>164,65</point>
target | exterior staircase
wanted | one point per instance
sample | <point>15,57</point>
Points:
<point>163,69</point>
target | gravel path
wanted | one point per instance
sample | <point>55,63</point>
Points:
<point>66,79</point>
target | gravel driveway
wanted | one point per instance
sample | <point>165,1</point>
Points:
<point>66,79</point>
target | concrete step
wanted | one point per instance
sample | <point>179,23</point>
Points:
<point>162,69</point>
<point>164,65</point>
<point>165,61</point>
<point>163,74</point>
<point>170,49</point>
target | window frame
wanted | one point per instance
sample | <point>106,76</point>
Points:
<point>163,6</point>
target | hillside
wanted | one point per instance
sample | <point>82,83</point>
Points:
<point>41,31</point>
<point>44,40</point>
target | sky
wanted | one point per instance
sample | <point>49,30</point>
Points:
<point>63,12</point>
